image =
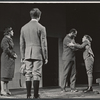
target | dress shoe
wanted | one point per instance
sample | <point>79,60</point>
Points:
<point>9,93</point>
<point>74,90</point>
<point>36,97</point>
<point>63,91</point>
<point>3,93</point>
<point>85,89</point>
<point>28,97</point>
<point>89,89</point>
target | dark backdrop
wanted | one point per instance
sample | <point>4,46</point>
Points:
<point>58,18</point>
<point>86,19</point>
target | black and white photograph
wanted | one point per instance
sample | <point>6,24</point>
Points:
<point>49,50</point>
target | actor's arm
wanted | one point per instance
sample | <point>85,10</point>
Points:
<point>79,46</point>
<point>70,46</point>
<point>44,44</point>
<point>22,45</point>
<point>7,50</point>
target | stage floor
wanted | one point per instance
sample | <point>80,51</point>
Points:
<point>55,93</point>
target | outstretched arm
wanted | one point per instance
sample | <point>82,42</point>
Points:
<point>67,43</point>
<point>79,46</point>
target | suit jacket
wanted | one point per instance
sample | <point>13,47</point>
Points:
<point>33,42</point>
<point>68,52</point>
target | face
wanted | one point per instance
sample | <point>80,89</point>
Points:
<point>38,18</point>
<point>83,39</point>
<point>12,33</point>
<point>74,34</point>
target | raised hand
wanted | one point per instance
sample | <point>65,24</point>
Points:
<point>15,56</point>
<point>71,44</point>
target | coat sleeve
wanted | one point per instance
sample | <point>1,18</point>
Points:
<point>66,42</point>
<point>6,48</point>
<point>44,43</point>
<point>73,48</point>
<point>22,45</point>
<point>81,46</point>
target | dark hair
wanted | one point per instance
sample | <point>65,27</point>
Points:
<point>7,30</point>
<point>73,30</point>
<point>88,37</point>
<point>35,13</point>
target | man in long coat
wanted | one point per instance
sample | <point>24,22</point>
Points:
<point>68,59</point>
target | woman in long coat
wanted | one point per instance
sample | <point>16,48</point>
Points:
<point>7,60</point>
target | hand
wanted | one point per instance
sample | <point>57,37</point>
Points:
<point>22,60</point>
<point>15,56</point>
<point>71,44</point>
<point>87,47</point>
<point>46,61</point>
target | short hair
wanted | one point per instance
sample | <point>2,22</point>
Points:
<point>35,13</point>
<point>7,30</point>
<point>73,30</point>
<point>88,37</point>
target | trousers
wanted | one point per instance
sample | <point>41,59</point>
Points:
<point>33,69</point>
<point>68,66</point>
<point>89,66</point>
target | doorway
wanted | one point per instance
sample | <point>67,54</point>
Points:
<point>50,70</point>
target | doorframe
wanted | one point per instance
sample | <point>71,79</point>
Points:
<point>57,62</point>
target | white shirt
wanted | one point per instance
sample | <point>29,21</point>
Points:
<point>34,20</point>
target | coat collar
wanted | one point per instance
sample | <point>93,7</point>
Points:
<point>8,37</point>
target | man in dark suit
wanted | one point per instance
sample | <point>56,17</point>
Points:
<point>68,58</point>
<point>33,49</point>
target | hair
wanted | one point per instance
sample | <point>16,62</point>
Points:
<point>73,30</point>
<point>7,30</point>
<point>88,37</point>
<point>35,13</point>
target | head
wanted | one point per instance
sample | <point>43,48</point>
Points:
<point>86,38</point>
<point>73,33</point>
<point>35,13</point>
<point>8,31</point>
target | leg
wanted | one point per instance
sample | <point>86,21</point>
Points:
<point>73,76</point>
<point>65,71</point>
<point>89,69</point>
<point>37,70</point>
<point>29,66</point>
<point>3,92</point>
<point>7,89</point>
<point>36,88</point>
<point>28,87</point>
